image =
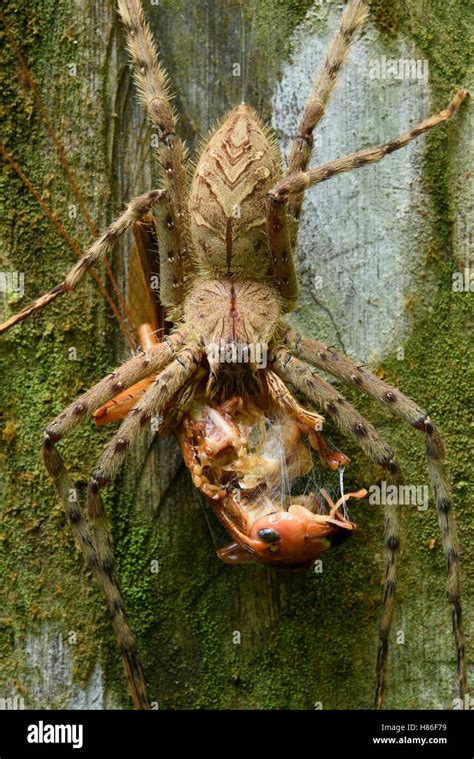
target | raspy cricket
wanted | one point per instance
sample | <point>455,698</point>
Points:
<point>215,361</point>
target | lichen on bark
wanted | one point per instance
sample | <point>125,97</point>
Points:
<point>304,640</point>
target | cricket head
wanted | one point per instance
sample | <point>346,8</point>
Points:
<point>294,538</point>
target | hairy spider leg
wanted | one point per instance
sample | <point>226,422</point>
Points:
<point>345,369</point>
<point>307,381</point>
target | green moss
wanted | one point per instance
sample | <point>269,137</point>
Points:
<point>386,16</point>
<point>44,578</point>
<point>303,639</point>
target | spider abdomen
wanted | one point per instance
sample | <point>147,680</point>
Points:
<point>234,173</point>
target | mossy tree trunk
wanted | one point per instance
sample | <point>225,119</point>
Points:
<point>212,636</point>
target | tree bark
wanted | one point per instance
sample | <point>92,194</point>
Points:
<point>377,254</point>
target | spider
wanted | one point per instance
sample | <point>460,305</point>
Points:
<point>224,240</point>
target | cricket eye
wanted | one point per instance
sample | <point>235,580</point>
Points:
<point>268,535</point>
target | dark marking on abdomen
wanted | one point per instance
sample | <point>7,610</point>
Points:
<point>228,244</point>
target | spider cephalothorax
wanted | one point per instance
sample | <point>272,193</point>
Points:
<point>225,377</point>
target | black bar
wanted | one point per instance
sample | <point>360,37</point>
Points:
<point>137,734</point>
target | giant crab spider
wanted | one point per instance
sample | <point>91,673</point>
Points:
<point>231,278</point>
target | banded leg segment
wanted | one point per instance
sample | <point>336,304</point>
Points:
<point>352,19</point>
<point>91,529</point>
<point>281,271</point>
<point>136,369</point>
<point>295,184</point>
<point>392,538</point>
<point>307,381</point>
<point>309,421</point>
<point>152,83</point>
<point>97,552</point>
<point>155,399</point>
<point>121,404</point>
<point>98,556</point>
<point>345,369</point>
<point>137,208</point>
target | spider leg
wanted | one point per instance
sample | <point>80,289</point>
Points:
<point>155,399</point>
<point>298,183</point>
<point>135,369</point>
<point>352,19</point>
<point>346,369</point>
<point>305,379</point>
<point>90,528</point>
<point>94,542</point>
<point>311,422</point>
<point>137,208</point>
<point>280,221</point>
<point>120,405</point>
<point>281,226</point>
<point>280,231</point>
<point>152,83</point>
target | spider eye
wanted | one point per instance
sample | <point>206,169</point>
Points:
<point>268,535</point>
